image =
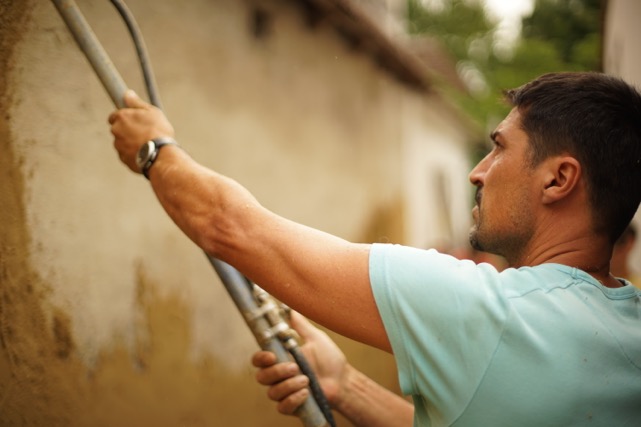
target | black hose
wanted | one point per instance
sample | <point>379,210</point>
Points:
<point>314,385</point>
<point>141,49</point>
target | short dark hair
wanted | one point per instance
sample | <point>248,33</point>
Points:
<point>597,119</point>
<point>630,233</point>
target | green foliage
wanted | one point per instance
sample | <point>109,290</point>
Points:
<point>559,35</point>
<point>457,24</point>
<point>566,25</point>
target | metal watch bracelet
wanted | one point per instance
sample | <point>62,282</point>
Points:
<point>158,144</point>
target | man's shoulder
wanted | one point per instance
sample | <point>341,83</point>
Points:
<point>560,281</point>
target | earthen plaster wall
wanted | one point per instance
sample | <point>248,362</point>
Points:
<point>109,316</point>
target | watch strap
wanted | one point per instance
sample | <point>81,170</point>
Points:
<point>158,144</point>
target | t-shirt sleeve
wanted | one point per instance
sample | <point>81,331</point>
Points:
<point>443,316</point>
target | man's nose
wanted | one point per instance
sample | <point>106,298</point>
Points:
<point>476,175</point>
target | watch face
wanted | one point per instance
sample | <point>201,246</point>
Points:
<point>144,154</point>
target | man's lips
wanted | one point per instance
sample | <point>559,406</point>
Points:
<point>478,196</point>
<point>477,208</point>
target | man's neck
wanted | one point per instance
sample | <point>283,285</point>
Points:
<point>590,254</point>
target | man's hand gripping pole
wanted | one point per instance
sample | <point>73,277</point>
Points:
<point>260,311</point>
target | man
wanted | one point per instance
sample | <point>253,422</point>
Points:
<point>553,340</point>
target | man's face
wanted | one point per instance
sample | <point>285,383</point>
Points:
<point>503,215</point>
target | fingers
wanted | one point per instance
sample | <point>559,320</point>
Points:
<point>132,100</point>
<point>140,120</point>
<point>303,326</point>
<point>263,359</point>
<point>136,124</point>
<point>289,405</point>
<point>282,390</point>
<point>287,385</point>
<point>275,373</point>
<point>289,393</point>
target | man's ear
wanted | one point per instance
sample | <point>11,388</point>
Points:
<point>561,177</point>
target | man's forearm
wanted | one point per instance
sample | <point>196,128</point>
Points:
<point>367,404</point>
<point>200,201</point>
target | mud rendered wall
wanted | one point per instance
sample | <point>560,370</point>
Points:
<point>108,315</point>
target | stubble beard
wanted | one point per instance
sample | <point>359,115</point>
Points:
<point>508,244</point>
<point>474,239</point>
<point>474,231</point>
<point>488,242</point>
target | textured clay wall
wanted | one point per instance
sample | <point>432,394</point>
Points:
<point>108,315</point>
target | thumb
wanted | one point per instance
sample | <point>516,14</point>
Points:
<point>304,327</point>
<point>132,100</point>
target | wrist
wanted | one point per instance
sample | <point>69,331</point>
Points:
<point>367,404</point>
<point>348,388</point>
<point>148,153</point>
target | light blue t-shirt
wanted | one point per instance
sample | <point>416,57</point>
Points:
<point>534,346</point>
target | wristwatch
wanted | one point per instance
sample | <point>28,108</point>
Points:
<point>149,152</point>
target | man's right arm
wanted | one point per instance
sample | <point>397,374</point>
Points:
<point>351,393</point>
